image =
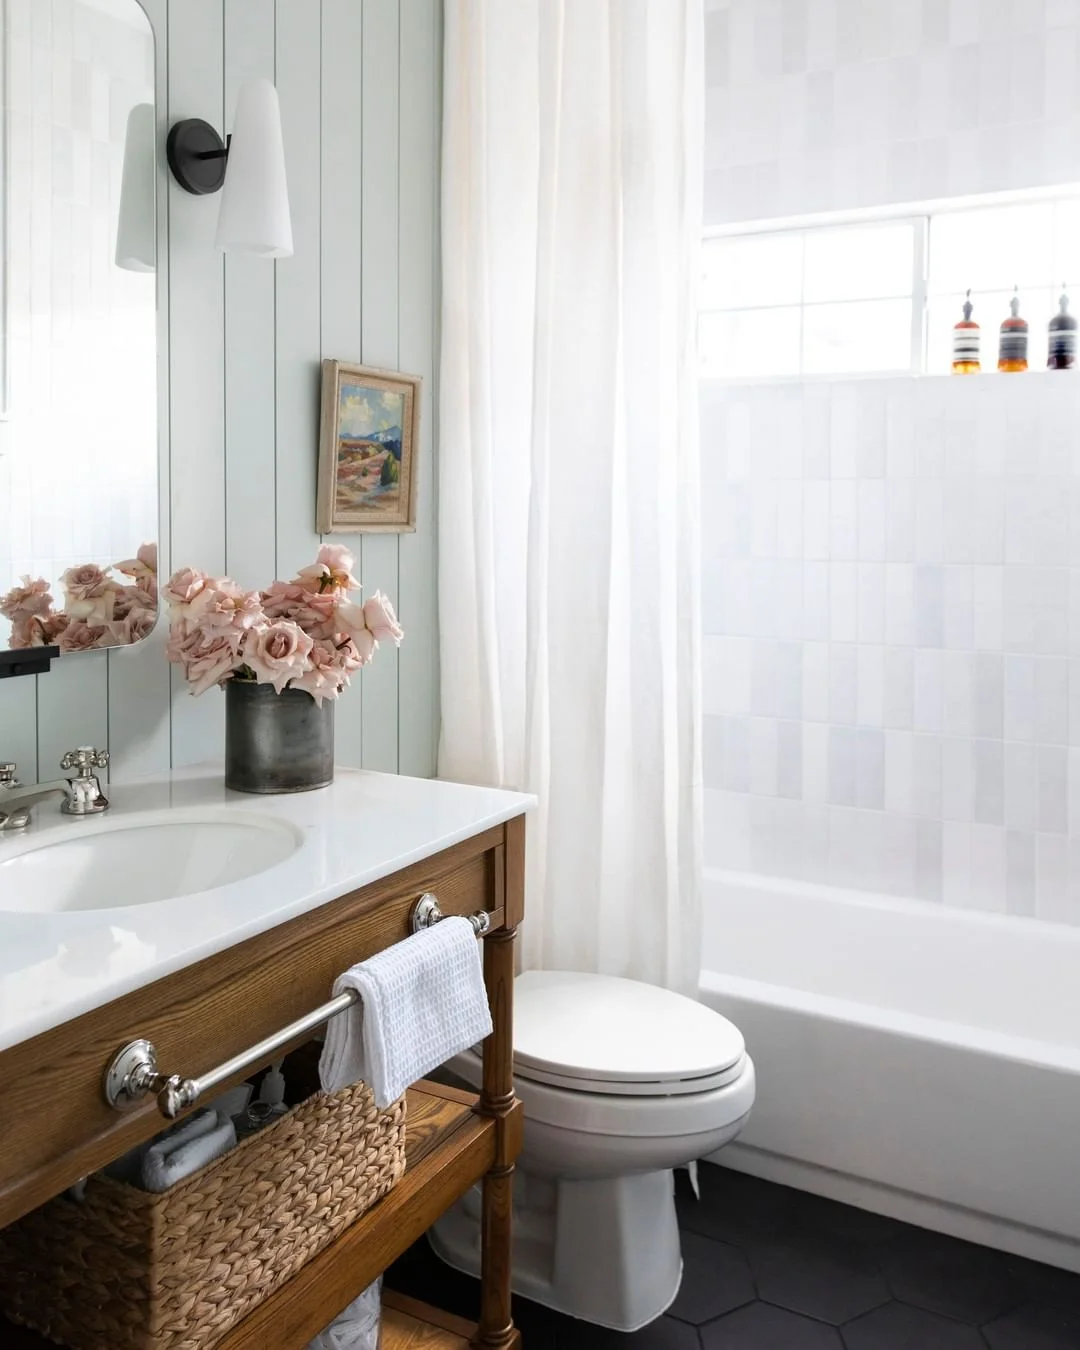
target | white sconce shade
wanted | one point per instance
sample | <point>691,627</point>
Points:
<point>136,231</point>
<point>254,215</point>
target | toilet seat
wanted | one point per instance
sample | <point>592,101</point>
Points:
<point>609,1036</point>
<point>615,1114</point>
<point>655,1087</point>
<point>610,1056</point>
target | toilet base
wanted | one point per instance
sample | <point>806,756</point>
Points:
<point>606,1251</point>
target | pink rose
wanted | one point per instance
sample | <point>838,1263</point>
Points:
<point>80,636</point>
<point>90,594</point>
<point>223,604</point>
<point>331,570</point>
<point>278,652</point>
<point>144,564</point>
<point>327,674</point>
<point>53,625</point>
<point>314,612</point>
<point>133,627</point>
<point>132,598</point>
<point>28,600</point>
<point>27,630</point>
<point>351,621</point>
<point>352,657</point>
<point>207,658</point>
<point>364,645</point>
<point>380,618</point>
<point>181,589</point>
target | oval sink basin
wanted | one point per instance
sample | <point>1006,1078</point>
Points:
<point>137,862</point>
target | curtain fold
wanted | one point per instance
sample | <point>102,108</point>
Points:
<point>568,532</point>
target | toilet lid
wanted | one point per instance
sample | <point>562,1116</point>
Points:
<point>600,1034</point>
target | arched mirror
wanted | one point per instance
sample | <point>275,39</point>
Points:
<point>78,332</point>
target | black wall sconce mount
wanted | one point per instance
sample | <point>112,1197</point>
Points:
<point>197,156</point>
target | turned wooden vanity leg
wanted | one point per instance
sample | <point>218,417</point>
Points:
<point>496,1330</point>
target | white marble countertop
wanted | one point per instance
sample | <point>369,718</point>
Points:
<point>54,966</point>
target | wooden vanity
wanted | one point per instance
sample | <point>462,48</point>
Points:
<point>57,1126</point>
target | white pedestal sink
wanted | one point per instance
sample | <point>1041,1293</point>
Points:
<point>139,859</point>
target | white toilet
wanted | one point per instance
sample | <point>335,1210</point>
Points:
<point>621,1082</point>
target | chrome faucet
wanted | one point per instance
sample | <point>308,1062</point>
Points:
<point>82,794</point>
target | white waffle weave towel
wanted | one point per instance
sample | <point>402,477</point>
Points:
<point>421,1001</point>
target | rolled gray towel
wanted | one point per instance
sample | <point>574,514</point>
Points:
<point>173,1159</point>
<point>128,1167</point>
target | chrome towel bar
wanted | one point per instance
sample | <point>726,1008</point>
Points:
<point>134,1072</point>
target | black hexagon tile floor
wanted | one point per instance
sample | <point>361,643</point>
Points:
<point>899,1326</point>
<point>769,1268</point>
<point>760,1326</point>
<point>716,1280</point>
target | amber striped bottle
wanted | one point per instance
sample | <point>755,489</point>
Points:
<point>1013,351</point>
<point>967,343</point>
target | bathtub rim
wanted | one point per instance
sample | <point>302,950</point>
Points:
<point>912,1026</point>
<point>991,920</point>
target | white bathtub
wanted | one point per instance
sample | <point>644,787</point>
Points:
<point>919,1061</point>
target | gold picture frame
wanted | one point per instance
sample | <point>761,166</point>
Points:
<point>369,432</point>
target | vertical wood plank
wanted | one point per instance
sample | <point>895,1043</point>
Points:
<point>250,422</point>
<point>418,299</point>
<point>197,356</point>
<point>380,130</point>
<point>140,704</point>
<point>72,708</point>
<point>298,304</point>
<point>18,725</point>
<point>342,250</point>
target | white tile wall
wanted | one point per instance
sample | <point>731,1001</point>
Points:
<point>892,671</point>
<point>817,105</point>
<point>892,580</point>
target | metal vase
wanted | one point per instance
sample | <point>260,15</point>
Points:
<point>276,742</point>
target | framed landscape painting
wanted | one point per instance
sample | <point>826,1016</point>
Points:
<point>370,428</point>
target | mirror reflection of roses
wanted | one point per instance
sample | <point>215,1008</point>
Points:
<point>99,610</point>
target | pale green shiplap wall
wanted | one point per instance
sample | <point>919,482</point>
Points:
<point>242,338</point>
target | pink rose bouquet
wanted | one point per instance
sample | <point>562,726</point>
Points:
<point>302,634</point>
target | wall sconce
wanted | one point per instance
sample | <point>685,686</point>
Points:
<point>250,170</point>
<point>136,233</point>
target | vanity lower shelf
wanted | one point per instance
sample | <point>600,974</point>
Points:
<point>410,1325</point>
<point>448,1148</point>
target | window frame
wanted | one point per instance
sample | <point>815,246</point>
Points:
<point>921,217</point>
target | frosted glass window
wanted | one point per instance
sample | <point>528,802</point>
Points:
<point>750,344</point>
<point>859,263</point>
<point>883,297</point>
<point>993,249</point>
<point>761,269</point>
<point>857,337</point>
<point>1067,247</point>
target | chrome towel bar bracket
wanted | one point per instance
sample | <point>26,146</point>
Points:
<point>133,1071</point>
<point>427,912</point>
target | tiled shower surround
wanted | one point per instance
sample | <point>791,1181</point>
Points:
<point>826,105</point>
<point>892,651</point>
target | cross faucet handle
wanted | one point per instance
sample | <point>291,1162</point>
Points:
<point>7,774</point>
<point>84,760</point>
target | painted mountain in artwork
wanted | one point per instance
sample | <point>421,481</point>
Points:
<point>391,438</point>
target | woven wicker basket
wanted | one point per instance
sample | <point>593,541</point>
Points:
<point>126,1270</point>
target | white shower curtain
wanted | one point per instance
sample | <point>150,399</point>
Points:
<point>568,538</point>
